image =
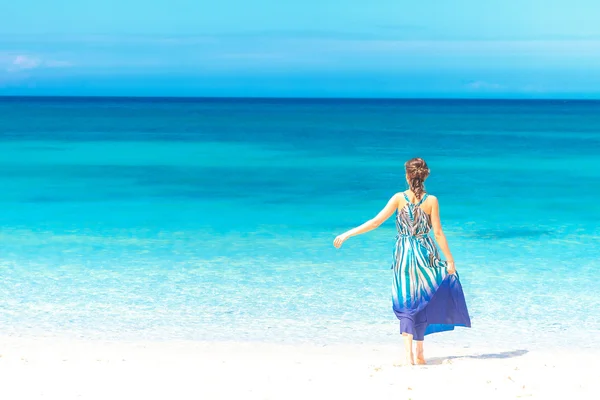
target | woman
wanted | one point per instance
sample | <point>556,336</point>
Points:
<point>426,293</point>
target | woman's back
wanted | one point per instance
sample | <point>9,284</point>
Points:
<point>412,218</point>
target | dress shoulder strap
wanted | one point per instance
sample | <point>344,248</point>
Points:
<point>415,204</point>
<point>422,199</point>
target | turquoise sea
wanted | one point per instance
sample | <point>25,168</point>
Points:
<point>213,219</point>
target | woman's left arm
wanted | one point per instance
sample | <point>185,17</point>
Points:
<point>371,224</point>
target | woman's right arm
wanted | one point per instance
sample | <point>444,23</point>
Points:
<point>439,234</point>
<point>374,223</point>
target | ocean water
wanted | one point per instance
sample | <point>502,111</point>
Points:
<point>173,219</point>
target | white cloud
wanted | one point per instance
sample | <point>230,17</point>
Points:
<point>533,88</point>
<point>482,85</point>
<point>24,62</point>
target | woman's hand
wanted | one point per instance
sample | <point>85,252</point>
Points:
<point>451,267</point>
<point>340,240</point>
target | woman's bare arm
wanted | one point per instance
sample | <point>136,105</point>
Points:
<point>440,237</point>
<point>371,224</point>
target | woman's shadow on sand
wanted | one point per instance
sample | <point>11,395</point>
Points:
<point>503,355</point>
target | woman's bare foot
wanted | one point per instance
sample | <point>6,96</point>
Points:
<point>421,361</point>
<point>408,348</point>
<point>407,363</point>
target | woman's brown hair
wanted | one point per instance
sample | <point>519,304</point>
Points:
<point>417,171</point>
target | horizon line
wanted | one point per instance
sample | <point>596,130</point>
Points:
<point>287,98</point>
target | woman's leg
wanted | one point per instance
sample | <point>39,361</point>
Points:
<point>420,327</point>
<point>420,355</point>
<point>408,339</point>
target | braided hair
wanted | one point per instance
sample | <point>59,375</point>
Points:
<point>417,171</point>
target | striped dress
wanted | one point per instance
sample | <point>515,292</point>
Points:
<point>425,297</point>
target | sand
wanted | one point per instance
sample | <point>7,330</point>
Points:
<point>51,368</point>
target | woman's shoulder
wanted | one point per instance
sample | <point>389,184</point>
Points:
<point>431,203</point>
<point>431,199</point>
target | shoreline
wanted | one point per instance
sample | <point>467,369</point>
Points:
<point>55,368</point>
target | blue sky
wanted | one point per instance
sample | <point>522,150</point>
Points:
<point>333,48</point>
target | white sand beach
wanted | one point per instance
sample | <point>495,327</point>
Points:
<point>49,368</point>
